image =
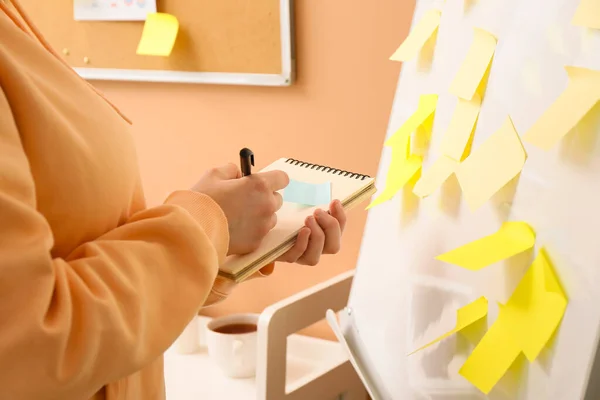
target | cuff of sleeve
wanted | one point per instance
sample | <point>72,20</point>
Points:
<point>208,214</point>
<point>223,287</point>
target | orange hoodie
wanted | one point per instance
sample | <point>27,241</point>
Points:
<point>94,286</point>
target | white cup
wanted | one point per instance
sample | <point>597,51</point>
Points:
<point>234,353</point>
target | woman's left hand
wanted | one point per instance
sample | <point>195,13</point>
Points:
<point>322,234</point>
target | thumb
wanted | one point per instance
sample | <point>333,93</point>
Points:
<point>228,171</point>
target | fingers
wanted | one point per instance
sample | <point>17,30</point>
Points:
<point>228,171</point>
<point>316,242</point>
<point>292,255</point>
<point>321,235</point>
<point>273,221</point>
<point>330,227</point>
<point>337,211</point>
<point>274,180</point>
<point>278,198</point>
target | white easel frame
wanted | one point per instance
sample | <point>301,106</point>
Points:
<point>285,78</point>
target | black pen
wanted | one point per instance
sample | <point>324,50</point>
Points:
<point>246,161</point>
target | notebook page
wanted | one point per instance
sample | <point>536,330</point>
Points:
<point>291,216</point>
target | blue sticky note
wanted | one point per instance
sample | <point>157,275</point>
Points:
<point>308,194</point>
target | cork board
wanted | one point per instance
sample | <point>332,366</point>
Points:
<point>225,41</point>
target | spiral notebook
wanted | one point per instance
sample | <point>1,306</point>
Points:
<point>348,187</point>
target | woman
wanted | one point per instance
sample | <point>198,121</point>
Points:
<point>95,286</point>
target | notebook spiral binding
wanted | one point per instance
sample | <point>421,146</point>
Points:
<point>327,169</point>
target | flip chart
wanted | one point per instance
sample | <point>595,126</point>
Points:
<point>580,96</point>
<point>491,166</point>
<point>465,317</point>
<point>525,325</point>
<point>308,194</point>
<point>587,14</point>
<point>425,29</point>
<point>531,77</point>
<point>461,127</point>
<point>511,239</point>
<point>159,34</point>
<point>435,176</point>
<point>475,66</point>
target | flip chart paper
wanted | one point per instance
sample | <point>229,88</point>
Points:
<point>492,357</point>
<point>511,239</point>
<point>400,172</point>
<point>475,65</point>
<point>461,128</point>
<point>308,194</point>
<point>491,166</point>
<point>159,34</point>
<point>425,110</point>
<point>435,176</point>
<point>581,94</point>
<point>525,325</point>
<point>536,307</point>
<point>420,34</point>
<point>587,14</point>
<point>465,317</point>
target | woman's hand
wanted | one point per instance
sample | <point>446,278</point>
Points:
<point>249,203</point>
<point>322,234</point>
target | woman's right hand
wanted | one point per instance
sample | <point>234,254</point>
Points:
<point>249,203</point>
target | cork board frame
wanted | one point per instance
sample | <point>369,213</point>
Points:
<point>233,42</point>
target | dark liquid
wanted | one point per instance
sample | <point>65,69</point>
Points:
<point>236,328</point>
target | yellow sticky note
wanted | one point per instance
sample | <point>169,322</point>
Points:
<point>492,357</point>
<point>419,140</point>
<point>159,34</point>
<point>461,128</point>
<point>525,325</point>
<point>435,176</point>
<point>580,96</point>
<point>511,239</point>
<point>425,111</point>
<point>416,39</point>
<point>401,170</point>
<point>475,65</point>
<point>491,166</point>
<point>536,307</point>
<point>465,317</point>
<point>587,14</point>
<point>405,164</point>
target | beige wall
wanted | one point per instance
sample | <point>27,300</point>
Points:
<point>335,114</point>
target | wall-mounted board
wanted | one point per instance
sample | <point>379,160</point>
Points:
<point>219,42</point>
<point>402,296</point>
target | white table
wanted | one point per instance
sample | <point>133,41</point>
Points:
<point>195,376</point>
